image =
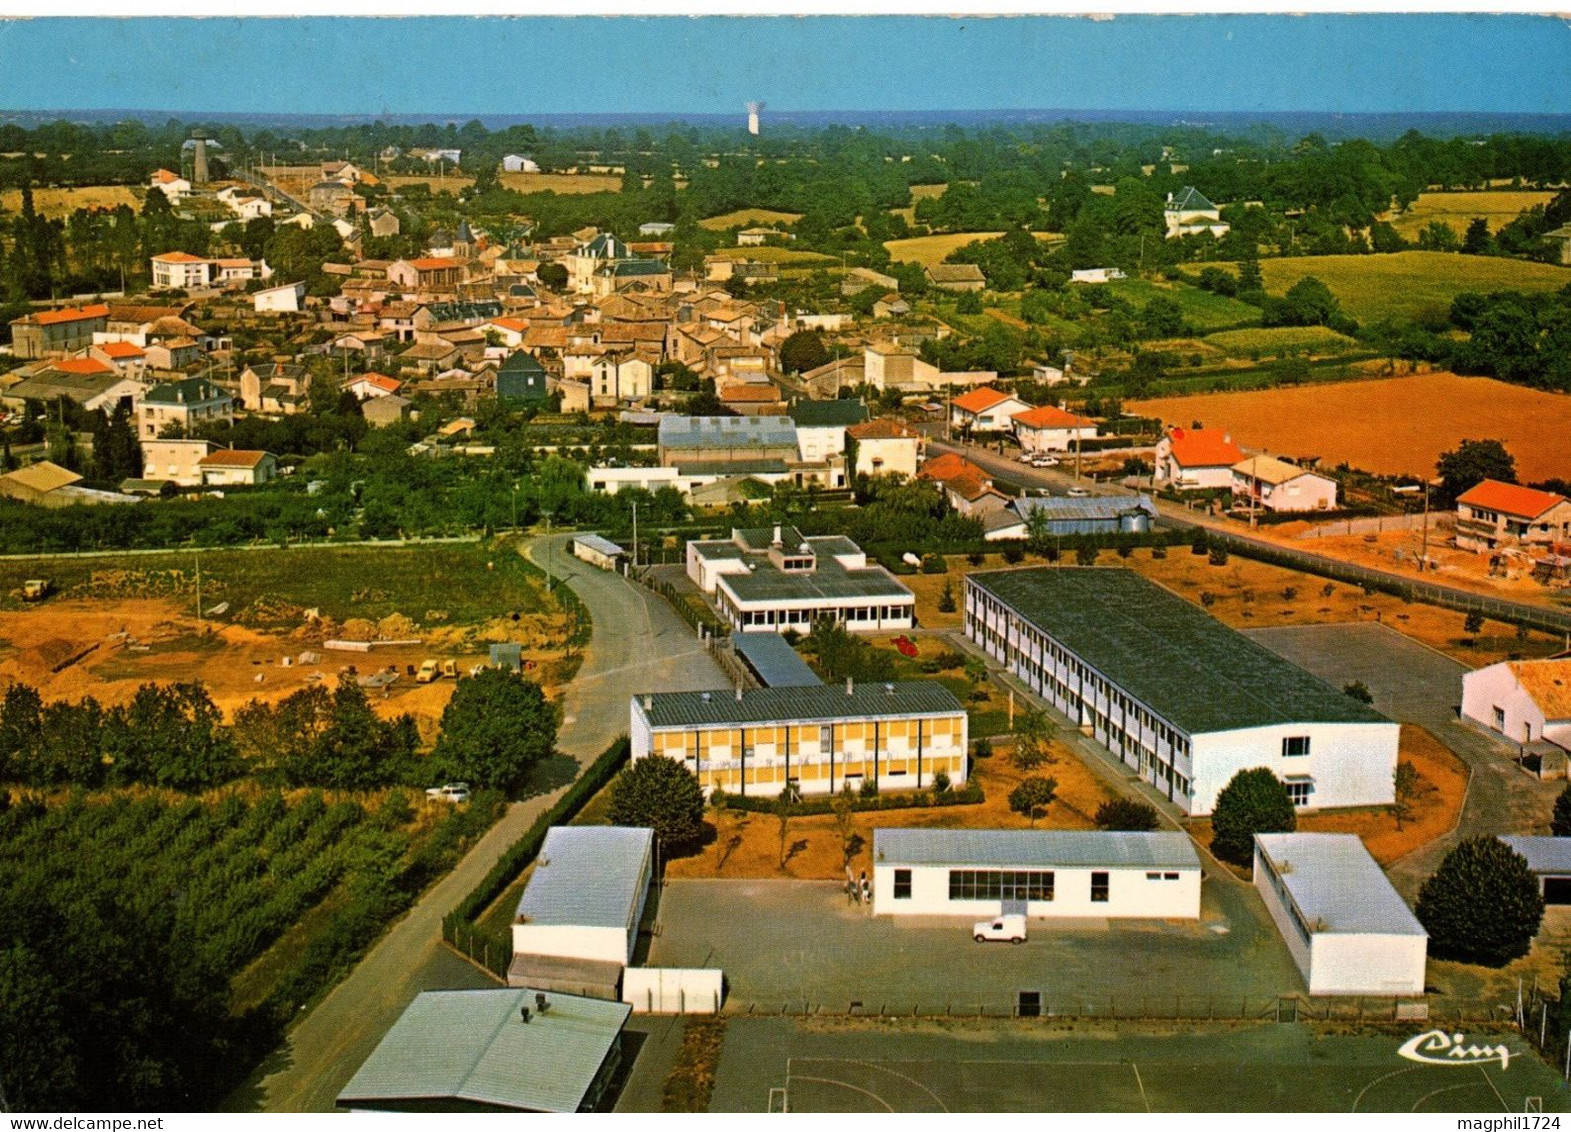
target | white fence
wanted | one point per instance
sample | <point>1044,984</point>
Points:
<point>672,990</point>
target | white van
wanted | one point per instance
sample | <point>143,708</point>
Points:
<point>1011,927</point>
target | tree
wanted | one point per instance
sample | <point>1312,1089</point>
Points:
<point>1032,797</point>
<point>1404,784</point>
<point>1126,814</point>
<point>844,809</point>
<point>785,802</point>
<point>802,351</point>
<point>662,794</point>
<point>1560,823</point>
<point>1476,241</point>
<point>946,597</point>
<point>1254,801</point>
<point>1469,464</point>
<point>1482,905</point>
<point>552,275</point>
<point>1358,690</point>
<point>495,730</point>
<point>1473,623</point>
<point>1034,733</point>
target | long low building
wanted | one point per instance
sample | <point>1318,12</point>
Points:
<point>1549,860</point>
<point>1047,873</point>
<point>1180,698</point>
<point>821,739</point>
<point>1345,926</point>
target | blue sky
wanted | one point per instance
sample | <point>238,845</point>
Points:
<point>455,65</point>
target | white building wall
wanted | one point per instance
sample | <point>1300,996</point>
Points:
<point>1367,964</point>
<point>612,480</point>
<point>1352,764</point>
<point>1496,686</point>
<point>1298,944</point>
<point>1132,893</point>
<point>1051,439</point>
<point>572,942</point>
<point>886,457</point>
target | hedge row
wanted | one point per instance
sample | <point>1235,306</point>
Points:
<point>523,851</point>
<point>968,795</point>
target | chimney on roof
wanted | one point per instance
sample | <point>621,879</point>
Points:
<point>850,685</point>
<point>739,693</point>
<point>775,541</point>
<point>649,702</point>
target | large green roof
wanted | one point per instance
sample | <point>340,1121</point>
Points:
<point>1175,658</point>
<point>828,581</point>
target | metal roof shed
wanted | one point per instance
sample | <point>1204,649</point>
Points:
<point>586,895</point>
<point>472,1051</point>
<point>773,661</point>
<point>1549,859</point>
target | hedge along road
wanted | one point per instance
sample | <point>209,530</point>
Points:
<point>1541,617</point>
<point>639,644</point>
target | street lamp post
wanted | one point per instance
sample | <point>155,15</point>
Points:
<point>547,556</point>
<point>635,534</point>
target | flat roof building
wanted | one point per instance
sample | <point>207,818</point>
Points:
<point>771,579</point>
<point>1345,926</point>
<point>493,1051</point>
<point>583,904</point>
<point>754,742</point>
<point>1047,873</point>
<point>1175,694</point>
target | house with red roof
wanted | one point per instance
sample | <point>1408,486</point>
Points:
<point>968,488</point>
<point>182,271</point>
<point>126,357</point>
<point>985,409</point>
<point>172,185</point>
<point>370,385</point>
<point>1051,429</point>
<point>1493,515</point>
<point>428,274</point>
<point>237,467</point>
<point>1193,459</point>
<point>884,447</point>
<point>48,334</point>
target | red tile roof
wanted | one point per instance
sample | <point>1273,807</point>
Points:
<point>980,400</point>
<point>1510,499</point>
<point>515,324</point>
<point>750,393</point>
<point>123,350</point>
<point>72,314</point>
<point>880,429</point>
<point>165,177</point>
<point>1204,447</point>
<point>380,381</point>
<point>1049,416</point>
<point>232,458</point>
<point>178,257</point>
<point>435,263</point>
<point>83,366</point>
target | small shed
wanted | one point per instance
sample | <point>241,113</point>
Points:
<point>774,662</point>
<point>597,551</point>
<point>586,895</point>
<point>1347,929</point>
<point>508,656</point>
<point>1549,858</point>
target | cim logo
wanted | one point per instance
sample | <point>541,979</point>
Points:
<point>1436,1047</point>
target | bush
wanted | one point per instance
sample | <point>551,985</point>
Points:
<point>1126,814</point>
<point>1200,542</point>
<point>1359,691</point>
<point>1560,822</point>
<point>946,599</point>
<point>1086,556</point>
<point>1014,554</point>
<point>664,795</point>
<point>940,783</point>
<point>1219,556</point>
<point>1255,801</point>
<point>934,564</point>
<point>968,795</point>
<point>869,788</point>
<point>1482,905</point>
<point>1474,623</point>
<point>982,749</point>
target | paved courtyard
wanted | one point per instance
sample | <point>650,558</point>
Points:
<point>801,942</point>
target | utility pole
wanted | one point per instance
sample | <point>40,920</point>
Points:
<point>635,534</point>
<point>199,591</point>
<point>1423,553</point>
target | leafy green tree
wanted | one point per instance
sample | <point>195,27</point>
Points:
<point>552,275</point>
<point>802,351</point>
<point>495,730</point>
<point>1033,796</point>
<point>1358,690</point>
<point>1476,240</point>
<point>1254,801</point>
<point>1482,905</point>
<point>173,735</point>
<point>1560,822</point>
<point>662,794</point>
<point>21,730</point>
<point>1127,814</point>
<point>1469,464</point>
<point>1438,236</point>
<point>1404,784</point>
<point>1034,733</point>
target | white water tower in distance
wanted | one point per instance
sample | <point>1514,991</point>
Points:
<point>752,117</point>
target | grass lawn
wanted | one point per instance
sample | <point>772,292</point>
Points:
<point>1275,339</point>
<point>1405,284</point>
<point>1498,207</point>
<point>1202,309</point>
<point>462,583</point>
<point>749,217</point>
<point>54,203</point>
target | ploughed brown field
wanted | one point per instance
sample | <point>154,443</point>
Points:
<point>1390,425</point>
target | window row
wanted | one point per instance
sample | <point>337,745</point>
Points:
<point>995,884</point>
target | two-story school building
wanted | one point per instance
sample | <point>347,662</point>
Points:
<point>1179,697</point>
<point>821,739</point>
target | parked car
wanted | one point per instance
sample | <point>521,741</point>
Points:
<point>1011,927</point>
<point>1026,456</point>
<point>454,792</point>
<point>1044,461</point>
<point>1078,492</point>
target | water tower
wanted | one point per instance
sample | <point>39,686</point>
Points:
<point>752,117</point>
<point>198,158</point>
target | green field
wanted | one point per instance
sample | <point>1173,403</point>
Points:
<point>466,582</point>
<point>1273,340</point>
<point>1406,284</point>
<point>1202,310</point>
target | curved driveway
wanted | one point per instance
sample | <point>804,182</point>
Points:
<point>639,644</point>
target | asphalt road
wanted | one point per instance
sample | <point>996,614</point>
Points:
<point>638,644</point>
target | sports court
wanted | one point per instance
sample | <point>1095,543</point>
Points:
<point>934,1067</point>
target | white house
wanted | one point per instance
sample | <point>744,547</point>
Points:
<point>985,410</point>
<point>287,297</point>
<point>586,895</point>
<point>821,427</point>
<point>1050,429</point>
<point>172,185</point>
<point>518,163</point>
<point>618,377</point>
<point>1522,700</point>
<point>179,461</point>
<point>371,385</point>
<point>885,447</point>
<point>1189,212</point>
<point>1492,514</point>
<point>1345,926</point>
<point>1182,700</point>
<point>1276,485</point>
<point>182,270</point>
<point>1096,275</point>
<point>979,873</point>
<point>1194,459</point>
<point>183,404</point>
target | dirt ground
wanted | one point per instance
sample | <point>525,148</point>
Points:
<point>1442,786</point>
<point>1391,426</point>
<point>813,846</point>
<point>69,650</point>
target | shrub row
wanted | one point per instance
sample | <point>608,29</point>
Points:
<point>968,795</point>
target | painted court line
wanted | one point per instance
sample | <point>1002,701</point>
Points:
<point>1436,1093</point>
<point>1358,1100</point>
<point>839,1084</point>
<point>1142,1084</point>
<point>1503,1106</point>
